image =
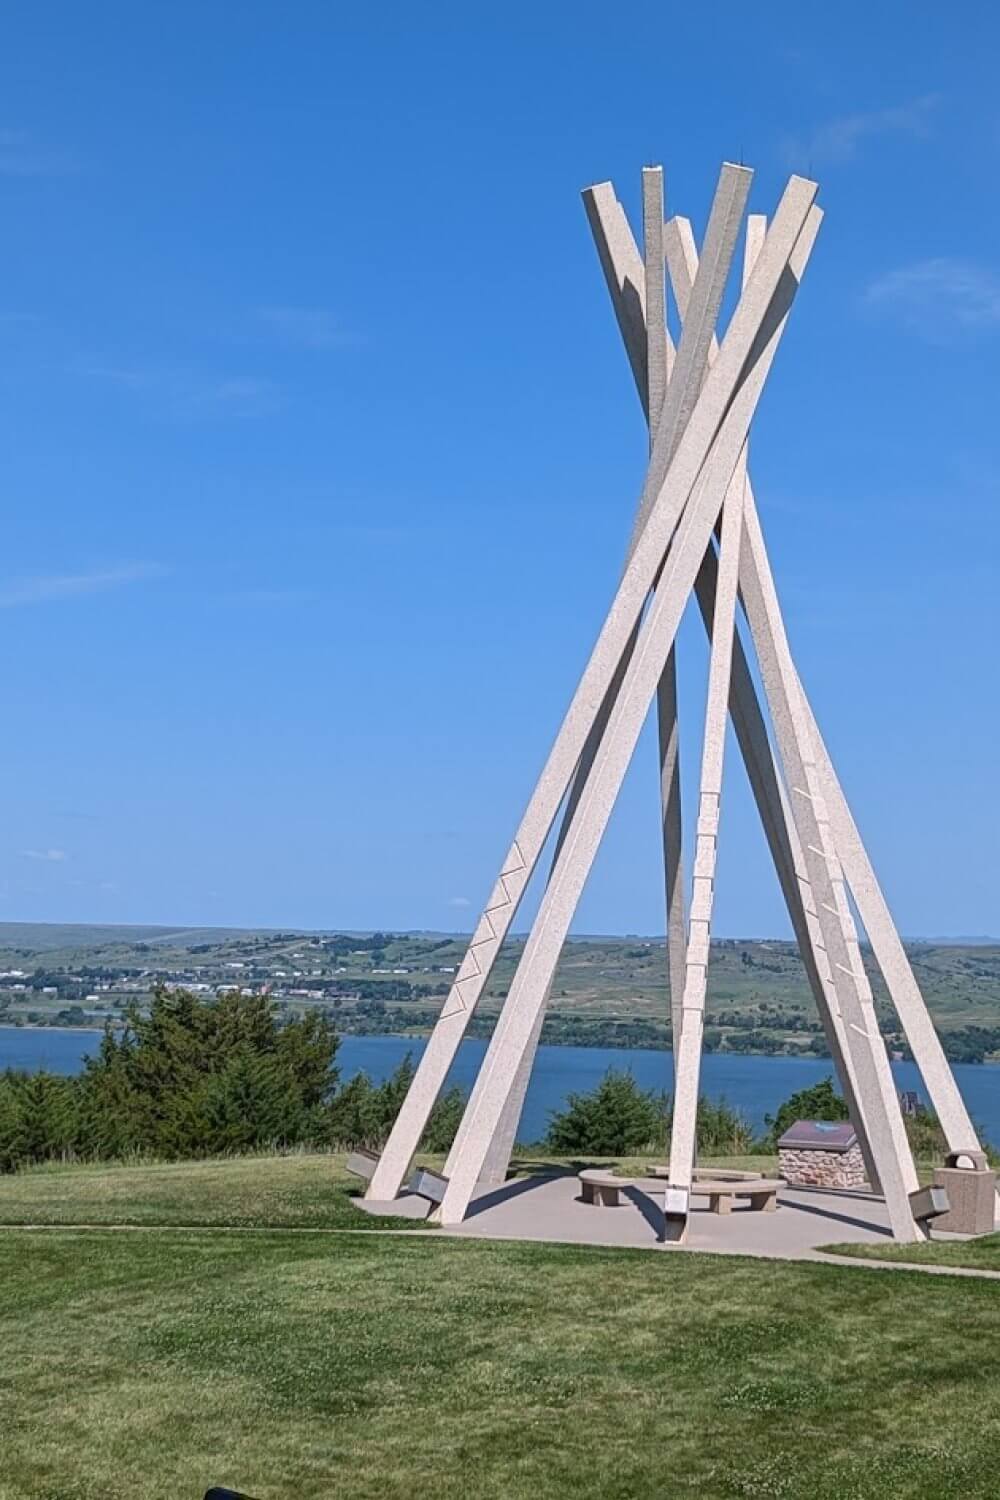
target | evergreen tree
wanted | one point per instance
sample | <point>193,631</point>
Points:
<point>719,1129</point>
<point>820,1102</point>
<point>616,1117</point>
<point>109,1115</point>
<point>307,1049</point>
<point>444,1120</point>
<point>249,1104</point>
<point>12,1140</point>
<point>363,1113</point>
<point>354,1118</point>
<point>390,1094</point>
<point>192,1078</point>
<point>46,1110</point>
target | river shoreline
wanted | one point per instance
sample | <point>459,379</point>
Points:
<point>753,1084</point>
<point>420,1037</point>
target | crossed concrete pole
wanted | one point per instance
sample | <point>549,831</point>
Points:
<point>699,400</point>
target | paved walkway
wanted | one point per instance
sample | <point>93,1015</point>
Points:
<point>549,1208</point>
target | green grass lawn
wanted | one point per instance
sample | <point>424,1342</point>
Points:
<point>384,1367</point>
<point>363,1366</point>
<point>981,1254</point>
<point>265,1192</point>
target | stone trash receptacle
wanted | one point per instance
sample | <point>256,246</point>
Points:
<point>971,1187</point>
<point>821,1153</point>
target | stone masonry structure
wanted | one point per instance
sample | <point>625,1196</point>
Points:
<point>817,1153</point>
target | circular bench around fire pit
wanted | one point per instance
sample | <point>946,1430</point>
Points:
<point>603,1189</point>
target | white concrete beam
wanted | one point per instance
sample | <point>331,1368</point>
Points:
<point>687,1070</point>
<point>722,634</point>
<point>887,1135</point>
<point>659,362</point>
<point>699,326</point>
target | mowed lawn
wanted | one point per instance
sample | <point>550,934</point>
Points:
<point>365,1365</point>
<point>248,1192</point>
<point>981,1254</point>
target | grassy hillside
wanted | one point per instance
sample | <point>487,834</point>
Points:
<point>383,1366</point>
<point>609,991</point>
<point>72,937</point>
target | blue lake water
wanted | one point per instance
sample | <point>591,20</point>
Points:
<point>753,1085</point>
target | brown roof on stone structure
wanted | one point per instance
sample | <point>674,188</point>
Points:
<point>820,1135</point>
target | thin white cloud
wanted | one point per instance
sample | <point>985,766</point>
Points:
<point>838,140</point>
<point>459,901</point>
<point>51,587</point>
<point>50,856</point>
<point>939,297</point>
<point>245,395</point>
<point>306,327</point>
<point>184,393</point>
<point>22,156</point>
<point>131,379</point>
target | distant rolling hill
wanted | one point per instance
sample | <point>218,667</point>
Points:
<point>43,937</point>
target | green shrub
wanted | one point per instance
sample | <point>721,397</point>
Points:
<point>196,1078</point>
<point>926,1138</point>
<point>618,1117</point>
<point>820,1102</point>
<point>722,1130</point>
<point>615,1118</point>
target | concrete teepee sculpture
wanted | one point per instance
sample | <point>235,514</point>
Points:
<point>696,531</point>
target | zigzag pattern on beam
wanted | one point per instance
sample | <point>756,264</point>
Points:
<point>514,864</point>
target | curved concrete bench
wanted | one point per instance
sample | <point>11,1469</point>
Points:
<point>601,1188</point>
<point>720,1192</point>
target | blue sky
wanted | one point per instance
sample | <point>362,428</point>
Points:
<point>318,451</point>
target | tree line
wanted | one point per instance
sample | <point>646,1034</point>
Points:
<point>196,1078</point>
